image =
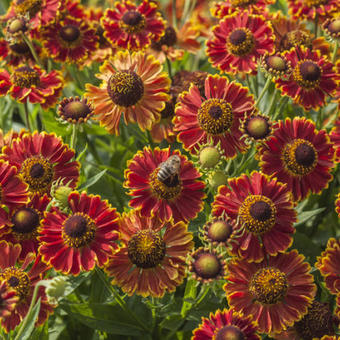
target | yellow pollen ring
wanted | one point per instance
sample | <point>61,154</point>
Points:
<point>244,46</point>
<point>161,190</point>
<point>255,225</point>
<point>18,280</point>
<point>299,77</point>
<point>269,285</point>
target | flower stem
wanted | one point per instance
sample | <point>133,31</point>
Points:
<point>27,317</point>
<point>119,300</point>
<point>272,103</point>
<point>31,47</point>
<point>335,51</point>
<point>264,90</point>
<point>73,140</point>
<point>168,63</point>
<point>27,118</point>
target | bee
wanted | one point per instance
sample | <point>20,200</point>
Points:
<point>169,169</point>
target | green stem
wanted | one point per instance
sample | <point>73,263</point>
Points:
<point>335,51</point>
<point>174,18</point>
<point>264,90</point>
<point>119,300</point>
<point>28,124</point>
<point>168,63</point>
<point>73,140</point>
<point>282,103</point>
<point>34,298</point>
<point>272,103</point>
<point>32,49</point>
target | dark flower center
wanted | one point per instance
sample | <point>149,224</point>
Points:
<point>18,280</point>
<point>219,231</point>
<point>300,157</point>
<point>215,116</point>
<point>207,265</point>
<point>257,127</point>
<point>268,285</point>
<point>229,332</point>
<point>317,322</point>
<point>168,189</point>
<point>125,88</point>
<point>240,42</point>
<point>75,110</point>
<point>296,38</point>
<point>69,33</point>
<point>133,22</point>
<point>146,249</point>
<point>32,7</point>
<point>20,48</point>
<point>78,230</point>
<point>25,77</point>
<point>38,174</point>
<point>25,220</point>
<point>307,74</point>
<point>169,39</point>
<point>258,214</point>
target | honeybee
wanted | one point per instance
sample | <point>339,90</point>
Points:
<point>169,169</point>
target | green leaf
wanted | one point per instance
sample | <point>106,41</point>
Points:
<point>306,215</point>
<point>172,322</point>
<point>92,180</point>
<point>32,317</point>
<point>189,295</point>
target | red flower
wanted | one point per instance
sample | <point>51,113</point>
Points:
<point>151,260</point>
<point>264,208</point>
<point>84,238</point>
<point>216,116</point>
<point>32,84</point>
<point>329,265</point>
<point>298,155</point>
<point>132,27</point>
<point>42,158</point>
<point>23,223</point>
<point>337,205</point>
<point>312,78</point>
<point>309,9</point>
<point>275,292</point>
<point>226,324</point>
<point>70,40</point>
<point>180,197</point>
<point>23,281</point>
<point>8,299</point>
<point>238,42</point>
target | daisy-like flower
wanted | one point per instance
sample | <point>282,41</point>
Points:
<point>217,115</point>
<point>275,65</point>
<point>227,7</point>
<point>8,299</point>
<point>275,292</point>
<point>179,195</point>
<point>264,208</point>
<point>22,279</point>
<point>311,80</point>
<point>32,84</point>
<point>256,127</point>
<point>133,85</point>
<point>226,324</point>
<point>132,27</point>
<point>74,110</point>
<point>309,9</point>
<point>298,155</point>
<point>13,191</point>
<point>81,240</point>
<point>40,12</point>
<point>238,42</point>
<point>151,260</point>
<point>23,223</point>
<point>6,140</point>
<point>329,265</point>
<point>332,27</point>
<point>70,40</point>
<point>335,138</point>
<point>42,158</point>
